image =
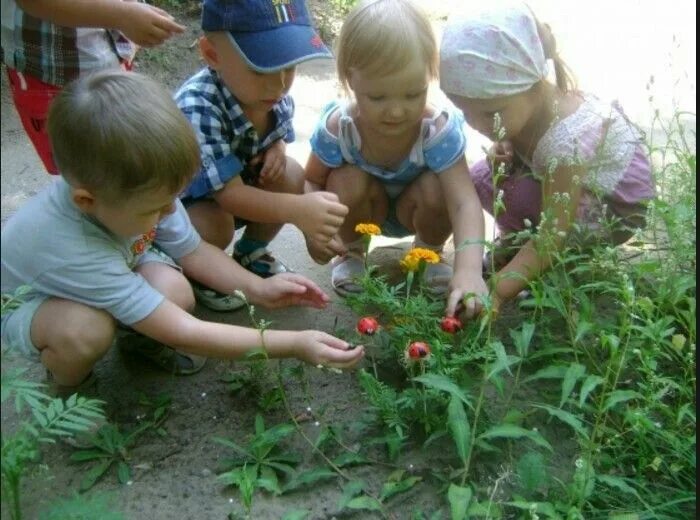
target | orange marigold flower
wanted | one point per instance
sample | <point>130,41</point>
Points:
<point>410,263</point>
<point>366,228</point>
<point>428,255</point>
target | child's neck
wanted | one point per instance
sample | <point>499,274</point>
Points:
<point>262,120</point>
<point>545,112</point>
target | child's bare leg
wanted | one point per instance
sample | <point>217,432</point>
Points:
<point>421,208</point>
<point>364,196</point>
<point>212,222</point>
<point>170,282</point>
<point>71,338</point>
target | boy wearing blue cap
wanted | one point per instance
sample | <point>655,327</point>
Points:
<point>241,111</point>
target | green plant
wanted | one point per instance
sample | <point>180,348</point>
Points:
<point>110,444</point>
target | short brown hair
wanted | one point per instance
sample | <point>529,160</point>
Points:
<point>118,133</point>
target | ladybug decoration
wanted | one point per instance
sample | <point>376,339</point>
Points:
<point>450,324</point>
<point>367,326</point>
<point>418,350</point>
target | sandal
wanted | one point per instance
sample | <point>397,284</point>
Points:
<point>174,361</point>
<point>346,269</point>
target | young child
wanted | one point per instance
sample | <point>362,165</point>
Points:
<point>391,157</point>
<point>242,112</point>
<point>566,155</point>
<point>48,43</point>
<point>108,244</point>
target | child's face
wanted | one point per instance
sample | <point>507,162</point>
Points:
<point>254,90</point>
<point>135,215</point>
<point>515,112</point>
<point>394,103</point>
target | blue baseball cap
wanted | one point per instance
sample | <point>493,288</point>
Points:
<point>270,35</point>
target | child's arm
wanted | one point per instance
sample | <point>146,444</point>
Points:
<point>173,326</point>
<point>532,259</point>
<point>212,267</point>
<point>467,220</point>
<point>143,24</point>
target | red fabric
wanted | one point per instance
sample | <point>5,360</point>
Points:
<point>32,99</point>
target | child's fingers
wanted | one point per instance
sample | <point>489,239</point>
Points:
<point>453,301</point>
<point>343,358</point>
<point>306,285</point>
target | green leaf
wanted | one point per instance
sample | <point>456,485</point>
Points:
<point>459,427</point>
<point>511,431</point>
<point>123,472</point>
<point>309,477</point>
<point>523,337</point>
<point>349,459</point>
<point>572,375</point>
<point>531,471</point>
<point>587,387</point>
<point>94,474</point>
<point>444,383</point>
<point>618,483</point>
<point>351,490</point>
<point>268,480</point>
<point>394,488</point>
<point>459,498</point>
<point>549,372</point>
<point>503,361</point>
<point>565,417</point>
<point>297,514</point>
<point>83,455</point>
<point>620,396</point>
<point>364,502</point>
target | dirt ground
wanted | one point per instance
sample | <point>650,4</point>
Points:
<point>174,477</point>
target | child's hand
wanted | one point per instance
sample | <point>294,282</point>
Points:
<point>465,295</point>
<point>283,290</point>
<point>501,152</point>
<point>319,348</point>
<point>320,216</point>
<point>147,25</point>
<point>274,163</point>
<point>322,253</point>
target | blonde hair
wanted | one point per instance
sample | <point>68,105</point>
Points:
<point>119,133</point>
<point>382,37</point>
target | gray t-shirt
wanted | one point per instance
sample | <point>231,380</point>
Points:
<point>50,245</point>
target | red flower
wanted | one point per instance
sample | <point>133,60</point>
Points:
<point>367,326</point>
<point>450,324</point>
<point>418,350</point>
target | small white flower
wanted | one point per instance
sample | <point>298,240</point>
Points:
<point>561,234</point>
<point>239,294</point>
<point>579,463</point>
<point>636,351</point>
<point>204,394</point>
<point>527,222</point>
<point>129,483</point>
<point>316,423</point>
<point>230,501</point>
<point>535,429</point>
<point>657,424</point>
<point>308,408</point>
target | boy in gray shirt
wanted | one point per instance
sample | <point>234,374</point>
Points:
<point>109,244</point>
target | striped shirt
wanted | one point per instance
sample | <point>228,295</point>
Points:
<point>227,139</point>
<point>55,54</point>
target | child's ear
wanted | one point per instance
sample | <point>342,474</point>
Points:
<point>83,199</point>
<point>208,52</point>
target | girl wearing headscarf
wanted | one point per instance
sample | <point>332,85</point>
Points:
<point>564,164</point>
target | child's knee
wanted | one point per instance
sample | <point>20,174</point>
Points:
<point>88,336</point>
<point>349,183</point>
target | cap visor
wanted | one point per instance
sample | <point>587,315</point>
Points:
<point>280,48</point>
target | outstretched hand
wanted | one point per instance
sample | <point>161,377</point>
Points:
<point>318,348</point>
<point>322,253</point>
<point>286,289</point>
